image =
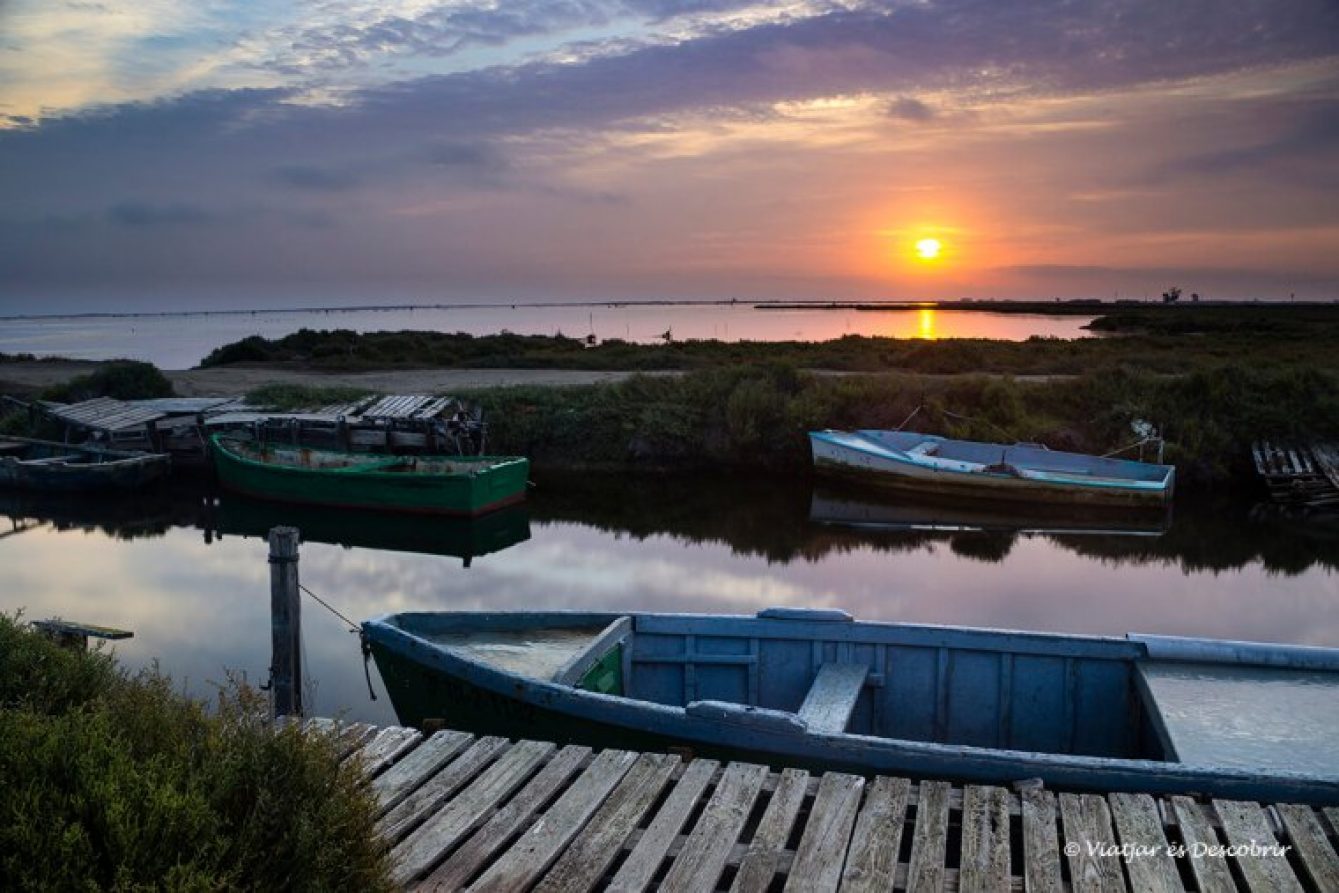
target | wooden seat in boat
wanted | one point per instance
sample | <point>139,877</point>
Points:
<point>831,699</point>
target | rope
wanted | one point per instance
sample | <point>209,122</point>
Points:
<point>967,418</point>
<point>1137,443</point>
<point>353,627</point>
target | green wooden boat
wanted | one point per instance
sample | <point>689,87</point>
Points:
<point>436,485</point>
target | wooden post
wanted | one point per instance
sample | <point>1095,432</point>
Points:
<point>285,622</point>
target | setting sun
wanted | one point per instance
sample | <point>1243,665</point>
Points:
<point>928,249</point>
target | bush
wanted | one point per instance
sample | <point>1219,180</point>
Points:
<point>117,781</point>
<point>292,397</point>
<point>122,379</point>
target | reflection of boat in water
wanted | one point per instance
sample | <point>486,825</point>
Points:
<point>50,467</point>
<point>836,507</point>
<point>795,686</point>
<point>1020,473</point>
<point>146,513</point>
<point>465,538</point>
<point>432,485</point>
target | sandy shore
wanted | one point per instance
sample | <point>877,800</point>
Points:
<point>29,378</point>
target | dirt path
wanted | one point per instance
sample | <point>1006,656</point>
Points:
<point>29,378</point>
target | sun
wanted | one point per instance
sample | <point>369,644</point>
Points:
<point>928,249</point>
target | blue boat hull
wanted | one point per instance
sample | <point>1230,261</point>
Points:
<point>1089,733</point>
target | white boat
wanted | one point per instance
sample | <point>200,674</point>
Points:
<point>1023,472</point>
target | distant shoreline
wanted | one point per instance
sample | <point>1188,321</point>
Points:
<point>1057,307</point>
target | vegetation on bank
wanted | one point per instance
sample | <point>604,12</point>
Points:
<point>118,781</point>
<point>293,397</point>
<point>122,379</point>
<point>1178,341</point>
<point>757,418</point>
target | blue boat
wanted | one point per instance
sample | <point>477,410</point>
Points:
<point>1020,472</point>
<point>815,689</point>
<point>50,467</point>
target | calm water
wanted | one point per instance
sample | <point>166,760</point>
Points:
<point>181,341</point>
<point>187,571</point>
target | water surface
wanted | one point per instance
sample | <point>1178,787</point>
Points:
<point>180,341</point>
<point>187,571</point>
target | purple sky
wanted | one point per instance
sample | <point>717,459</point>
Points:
<point>172,154</point>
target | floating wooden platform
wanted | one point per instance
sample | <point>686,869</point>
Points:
<point>1300,474</point>
<point>182,425</point>
<point>485,813</point>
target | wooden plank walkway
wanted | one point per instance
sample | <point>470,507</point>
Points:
<point>461,812</point>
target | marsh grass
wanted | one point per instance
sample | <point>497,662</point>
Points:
<point>117,781</point>
<point>291,397</point>
<point>122,379</point>
<point>757,418</point>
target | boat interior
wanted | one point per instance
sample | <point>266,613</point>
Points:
<point>1018,691</point>
<point>40,452</point>
<point>1200,702</point>
<point>354,463</point>
<point>1021,455</point>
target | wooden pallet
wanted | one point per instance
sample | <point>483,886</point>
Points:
<point>1298,474</point>
<point>483,813</point>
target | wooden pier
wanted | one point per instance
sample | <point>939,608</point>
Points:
<point>484,813</point>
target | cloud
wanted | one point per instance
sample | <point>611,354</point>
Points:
<point>315,178</point>
<point>910,109</point>
<point>140,214</point>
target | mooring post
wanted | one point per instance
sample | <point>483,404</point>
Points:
<point>285,622</point>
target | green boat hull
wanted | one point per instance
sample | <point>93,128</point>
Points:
<point>430,485</point>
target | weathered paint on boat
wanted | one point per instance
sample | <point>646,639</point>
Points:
<point>43,465</point>
<point>976,705</point>
<point>1020,472</point>
<point>443,485</point>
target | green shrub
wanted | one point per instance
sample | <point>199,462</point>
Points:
<point>122,379</point>
<point>114,781</point>
<point>291,397</point>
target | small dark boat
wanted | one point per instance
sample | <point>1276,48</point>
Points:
<point>440,485</point>
<point>52,467</point>
<point>1022,472</point>
<point>812,688</point>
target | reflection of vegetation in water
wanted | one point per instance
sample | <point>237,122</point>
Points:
<point>770,519</point>
<point>754,516</point>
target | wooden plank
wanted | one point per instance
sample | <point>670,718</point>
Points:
<point>929,843</point>
<point>352,737</point>
<point>507,823</point>
<point>702,859</point>
<point>423,802</point>
<point>386,747</point>
<point>1090,844</point>
<point>1332,813</point>
<point>984,865</point>
<point>1197,834</point>
<point>400,780</point>
<point>1148,858</point>
<point>467,810</point>
<point>1041,843</point>
<point>580,663</point>
<point>822,851</point>
<point>530,856</point>
<point>759,864</point>
<point>871,862</point>
<point>1246,827</point>
<point>589,856</point>
<point>828,706</point>
<point>1308,839</point>
<point>636,872</point>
